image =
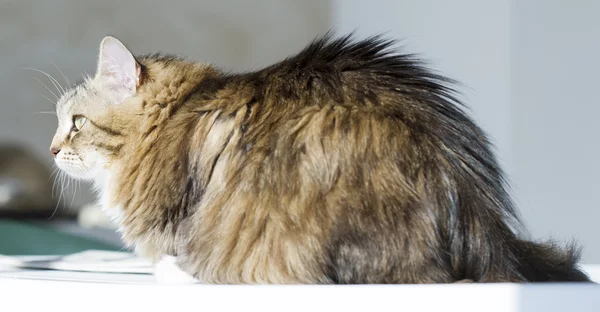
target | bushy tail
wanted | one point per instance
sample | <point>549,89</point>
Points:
<point>548,262</point>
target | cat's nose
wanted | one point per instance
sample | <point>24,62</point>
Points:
<point>54,151</point>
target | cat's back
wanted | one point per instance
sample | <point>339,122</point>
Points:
<point>346,101</point>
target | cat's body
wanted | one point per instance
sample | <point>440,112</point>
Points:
<point>343,164</point>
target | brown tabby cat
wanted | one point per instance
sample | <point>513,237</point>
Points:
<point>347,163</point>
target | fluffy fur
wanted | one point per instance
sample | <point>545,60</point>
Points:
<point>346,163</point>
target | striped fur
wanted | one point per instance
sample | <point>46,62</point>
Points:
<point>346,163</point>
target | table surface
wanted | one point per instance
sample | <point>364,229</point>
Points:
<point>104,292</point>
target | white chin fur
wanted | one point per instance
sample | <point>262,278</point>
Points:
<point>75,172</point>
<point>85,175</point>
<point>166,271</point>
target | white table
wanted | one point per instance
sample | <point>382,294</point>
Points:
<point>31,290</point>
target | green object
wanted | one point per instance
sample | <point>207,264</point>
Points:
<point>19,238</point>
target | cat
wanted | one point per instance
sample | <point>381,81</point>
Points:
<point>347,163</point>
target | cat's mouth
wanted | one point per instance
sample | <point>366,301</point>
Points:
<point>74,166</point>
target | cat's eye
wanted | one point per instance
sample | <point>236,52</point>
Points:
<point>78,122</point>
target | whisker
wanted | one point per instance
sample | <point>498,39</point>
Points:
<point>62,74</point>
<point>74,189</point>
<point>77,186</point>
<point>53,181</point>
<point>56,174</point>
<point>45,86</point>
<point>53,102</point>
<point>52,79</point>
<point>60,174</point>
<point>68,189</point>
<point>74,192</point>
<point>53,173</point>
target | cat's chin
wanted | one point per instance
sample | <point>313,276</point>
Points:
<point>77,173</point>
<point>83,176</point>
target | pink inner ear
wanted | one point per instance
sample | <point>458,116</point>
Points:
<point>138,74</point>
<point>118,64</point>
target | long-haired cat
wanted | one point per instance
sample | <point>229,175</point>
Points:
<point>346,163</point>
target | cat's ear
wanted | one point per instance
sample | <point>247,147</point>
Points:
<point>117,67</point>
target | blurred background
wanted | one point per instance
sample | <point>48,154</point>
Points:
<point>530,70</point>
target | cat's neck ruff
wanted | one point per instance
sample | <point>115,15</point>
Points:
<point>102,184</point>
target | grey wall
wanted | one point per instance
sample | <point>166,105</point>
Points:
<point>555,106</point>
<point>529,67</point>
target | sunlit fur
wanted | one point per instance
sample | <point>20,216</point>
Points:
<point>347,163</point>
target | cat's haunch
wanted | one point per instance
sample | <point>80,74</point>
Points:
<point>346,163</point>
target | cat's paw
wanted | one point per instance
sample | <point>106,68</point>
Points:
<point>166,271</point>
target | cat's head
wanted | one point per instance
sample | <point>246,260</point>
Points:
<point>96,117</point>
